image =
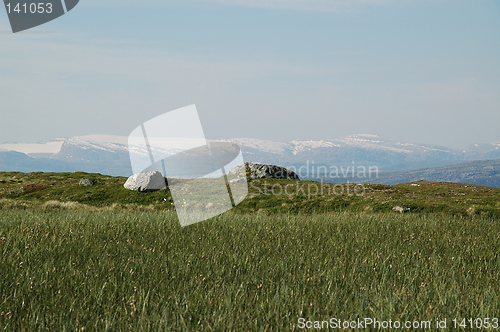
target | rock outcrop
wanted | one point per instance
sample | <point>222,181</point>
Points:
<point>259,171</point>
<point>145,182</point>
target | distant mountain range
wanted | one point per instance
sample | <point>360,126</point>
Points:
<point>478,172</point>
<point>367,150</point>
<point>481,172</point>
<point>96,154</point>
<point>395,161</point>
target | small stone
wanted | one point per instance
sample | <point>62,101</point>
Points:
<point>239,180</point>
<point>87,182</point>
<point>401,209</point>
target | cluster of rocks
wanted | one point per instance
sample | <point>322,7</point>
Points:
<point>260,171</point>
<point>153,181</point>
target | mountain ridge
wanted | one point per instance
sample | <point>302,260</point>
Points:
<point>108,154</point>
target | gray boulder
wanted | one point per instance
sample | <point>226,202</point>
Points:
<point>259,171</point>
<point>145,182</point>
<point>87,182</point>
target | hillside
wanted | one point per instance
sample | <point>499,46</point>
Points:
<point>104,258</point>
<point>17,161</point>
<point>479,172</point>
<point>62,190</point>
<point>483,173</point>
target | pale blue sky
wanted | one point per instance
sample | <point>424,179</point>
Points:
<point>420,71</point>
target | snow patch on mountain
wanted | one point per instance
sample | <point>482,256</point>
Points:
<point>261,145</point>
<point>27,148</point>
<point>107,143</point>
<point>302,146</point>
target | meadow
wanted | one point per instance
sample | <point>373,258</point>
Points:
<point>93,267</point>
<point>70,270</point>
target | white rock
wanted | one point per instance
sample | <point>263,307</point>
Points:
<point>147,181</point>
<point>239,180</point>
<point>401,209</point>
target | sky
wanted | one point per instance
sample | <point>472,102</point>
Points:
<point>419,71</point>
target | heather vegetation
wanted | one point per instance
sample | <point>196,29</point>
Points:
<point>52,190</point>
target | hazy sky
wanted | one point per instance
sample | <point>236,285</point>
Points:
<point>419,71</point>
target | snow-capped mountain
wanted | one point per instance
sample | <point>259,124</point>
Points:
<point>96,153</point>
<point>93,148</point>
<point>110,154</point>
<point>360,149</point>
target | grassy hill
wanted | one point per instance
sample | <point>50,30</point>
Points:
<point>62,190</point>
<point>103,258</point>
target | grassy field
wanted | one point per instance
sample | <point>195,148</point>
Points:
<point>55,190</point>
<point>77,264</point>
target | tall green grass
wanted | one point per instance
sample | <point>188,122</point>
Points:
<point>75,270</point>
